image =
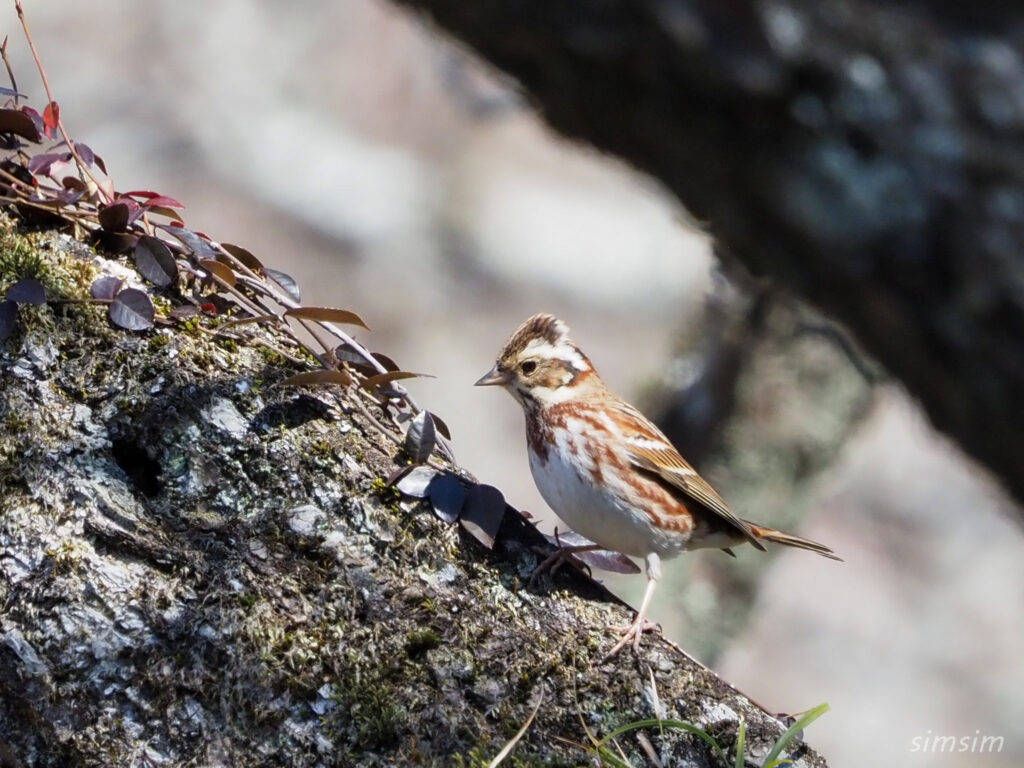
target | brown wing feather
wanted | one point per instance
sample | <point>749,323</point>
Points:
<point>666,462</point>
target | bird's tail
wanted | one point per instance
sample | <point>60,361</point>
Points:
<point>765,533</point>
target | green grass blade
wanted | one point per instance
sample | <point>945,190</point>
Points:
<point>679,725</point>
<point>806,719</point>
<point>741,743</point>
<point>603,754</point>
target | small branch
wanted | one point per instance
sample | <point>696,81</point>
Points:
<point>82,167</point>
<point>10,70</point>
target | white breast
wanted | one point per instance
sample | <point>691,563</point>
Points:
<point>603,513</point>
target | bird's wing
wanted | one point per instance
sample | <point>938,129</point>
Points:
<point>648,449</point>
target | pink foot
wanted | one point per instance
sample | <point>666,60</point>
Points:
<point>631,633</point>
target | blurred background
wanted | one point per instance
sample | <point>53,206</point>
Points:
<point>393,174</point>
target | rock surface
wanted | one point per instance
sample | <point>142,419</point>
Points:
<point>200,566</point>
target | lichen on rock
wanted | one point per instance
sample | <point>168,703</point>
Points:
<point>200,566</point>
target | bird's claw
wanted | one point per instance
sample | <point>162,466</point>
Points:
<point>554,562</point>
<point>631,633</point>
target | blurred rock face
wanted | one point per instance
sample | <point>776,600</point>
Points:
<point>345,144</point>
<point>918,636</point>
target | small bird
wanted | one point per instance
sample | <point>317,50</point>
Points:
<point>606,470</point>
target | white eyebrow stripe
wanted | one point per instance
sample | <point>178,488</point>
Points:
<point>544,349</point>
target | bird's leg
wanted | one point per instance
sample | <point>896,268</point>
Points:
<point>640,623</point>
<point>560,557</point>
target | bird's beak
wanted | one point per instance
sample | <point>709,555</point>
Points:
<point>492,377</point>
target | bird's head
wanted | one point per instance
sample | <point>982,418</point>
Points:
<point>539,365</point>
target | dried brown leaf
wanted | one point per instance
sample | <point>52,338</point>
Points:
<point>385,378</point>
<point>327,315</point>
<point>312,378</point>
<point>223,271</point>
<point>243,256</point>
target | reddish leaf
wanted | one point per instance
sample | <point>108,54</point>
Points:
<point>85,152</point>
<point>384,378</point>
<point>286,281</point>
<point>70,196</point>
<point>604,559</point>
<point>243,256</point>
<point>420,438</point>
<point>441,426</point>
<point>8,317</point>
<point>223,271</point>
<point>387,362</point>
<point>200,247</point>
<point>132,310</point>
<point>26,291</point>
<point>446,496</point>
<point>154,198</point>
<point>357,359</point>
<point>19,123</point>
<point>49,164</point>
<point>155,261</point>
<point>116,242</point>
<point>170,213</point>
<point>51,115</point>
<point>209,308</point>
<point>114,218</point>
<point>607,560</point>
<point>482,513</point>
<point>318,377</point>
<point>327,315</point>
<point>105,288</point>
<point>413,480</point>
<point>36,118</point>
<point>164,202</point>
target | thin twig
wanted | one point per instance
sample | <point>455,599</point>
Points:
<point>82,167</point>
<point>373,420</point>
<point>10,70</point>
<point>254,280</point>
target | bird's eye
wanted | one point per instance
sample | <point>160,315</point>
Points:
<point>528,367</point>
